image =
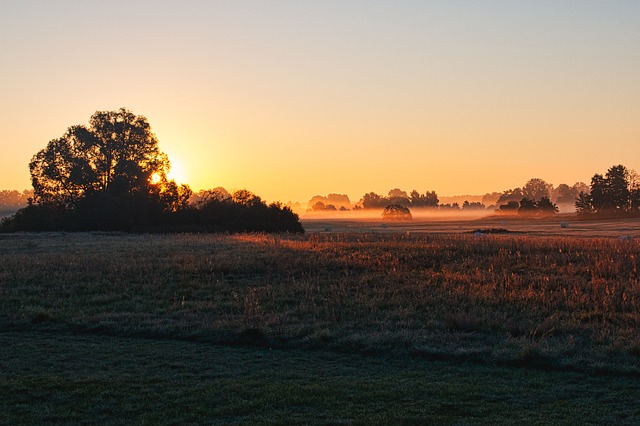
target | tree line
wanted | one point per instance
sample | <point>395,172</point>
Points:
<point>535,198</point>
<point>616,193</point>
<point>14,198</point>
<point>112,176</point>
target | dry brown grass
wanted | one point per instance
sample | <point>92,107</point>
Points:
<point>553,302</point>
<point>563,225</point>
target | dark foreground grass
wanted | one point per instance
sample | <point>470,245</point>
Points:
<point>78,379</point>
<point>324,329</point>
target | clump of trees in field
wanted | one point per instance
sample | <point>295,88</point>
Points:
<point>241,211</point>
<point>616,193</point>
<point>111,175</point>
<point>330,203</point>
<point>396,212</point>
<point>530,207</point>
<point>539,198</point>
<point>397,196</point>
<point>429,200</point>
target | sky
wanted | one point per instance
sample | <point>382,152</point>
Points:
<point>291,99</point>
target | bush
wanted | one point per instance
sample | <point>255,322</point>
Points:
<point>396,212</point>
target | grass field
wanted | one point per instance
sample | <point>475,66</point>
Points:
<point>326,328</point>
<point>86,379</point>
<point>563,225</point>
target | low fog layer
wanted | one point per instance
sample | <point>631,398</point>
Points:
<point>418,214</point>
<point>536,196</point>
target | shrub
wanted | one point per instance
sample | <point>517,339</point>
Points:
<point>396,212</point>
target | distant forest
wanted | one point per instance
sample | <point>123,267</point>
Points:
<point>542,194</point>
<point>616,193</point>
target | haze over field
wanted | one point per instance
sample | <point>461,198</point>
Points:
<point>291,99</point>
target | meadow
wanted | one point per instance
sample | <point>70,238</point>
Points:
<point>354,327</point>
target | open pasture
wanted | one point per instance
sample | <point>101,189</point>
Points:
<point>556,301</point>
<point>567,308</point>
<point>563,225</point>
<point>52,378</point>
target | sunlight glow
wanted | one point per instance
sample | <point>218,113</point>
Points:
<point>313,98</point>
<point>155,178</point>
<point>178,172</point>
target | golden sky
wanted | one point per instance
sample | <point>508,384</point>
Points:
<point>290,99</point>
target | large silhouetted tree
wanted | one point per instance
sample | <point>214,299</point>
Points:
<point>108,175</point>
<point>116,154</point>
<point>599,198</point>
<point>617,188</point>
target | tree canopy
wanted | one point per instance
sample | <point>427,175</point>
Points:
<point>372,200</point>
<point>331,202</point>
<point>536,189</point>
<point>117,153</point>
<point>542,207</point>
<point>615,193</point>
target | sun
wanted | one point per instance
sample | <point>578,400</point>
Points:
<point>155,178</point>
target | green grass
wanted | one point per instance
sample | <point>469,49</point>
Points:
<point>64,378</point>
<point>325,329</point>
